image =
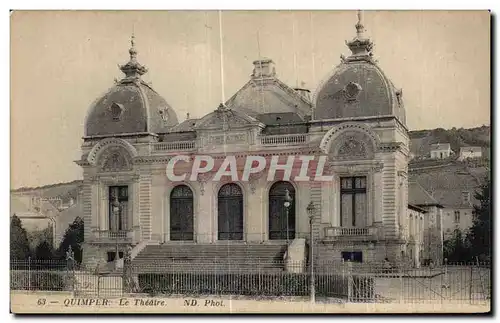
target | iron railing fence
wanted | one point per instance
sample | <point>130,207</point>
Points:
<point>345,281</point>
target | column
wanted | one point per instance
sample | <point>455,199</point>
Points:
<point>254,226</point>
<point>94,197</point>
<point>136,226</point>
<point>328,214</point>
<point>104,207</point>
<point>377,197</point>
<point>370,199</point>
<point>206,228</point>
<point>302,198</point>
<point>166,211</point>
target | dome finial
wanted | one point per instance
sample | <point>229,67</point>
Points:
<point>133,69</point>
<point>132,51</point>
<point>360,46</point>
<point>359,26</point>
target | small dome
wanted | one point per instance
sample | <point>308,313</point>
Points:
<point>358,87</point>
<point>131,106</point>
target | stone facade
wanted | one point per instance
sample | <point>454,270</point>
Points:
<point>369,148</point>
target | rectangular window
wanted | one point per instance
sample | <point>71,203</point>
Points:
<point>353,201</point>
<point>352,256</point>
<point>465,197</point>
<point>118,208</point>
<point>457,216</point>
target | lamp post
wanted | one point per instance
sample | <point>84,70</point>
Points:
<point>288,202</point>
<point>311,210</point>
<point>116,213</point>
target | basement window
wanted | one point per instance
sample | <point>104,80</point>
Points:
<point>111,255</point>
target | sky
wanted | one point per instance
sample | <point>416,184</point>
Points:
<point>61,61</point>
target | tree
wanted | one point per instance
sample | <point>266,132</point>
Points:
<point>72,237</point>
<point>44,251</point>
<point>19,244</point>
<point>456,248</point>
<point>480,232</point>
<point>37,236</point>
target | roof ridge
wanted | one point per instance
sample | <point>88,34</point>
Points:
<point>28,188</point>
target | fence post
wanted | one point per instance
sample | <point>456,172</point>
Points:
<point>401,284</point>
<point>470,284</point>
<point>350,281</point>
<point>29,273</point>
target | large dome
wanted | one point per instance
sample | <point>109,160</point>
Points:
<point>131,106</point>
<point>358,87</point>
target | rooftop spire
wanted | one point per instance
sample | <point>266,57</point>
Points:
<point>359,26</point>
<point>360,46</point>
<point>133,69</point>
<point>132,51</point>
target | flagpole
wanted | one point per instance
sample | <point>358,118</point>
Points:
<point>262,108</point>
<point>294,52</point>
<point>312,48</point>
<point>223,96</point>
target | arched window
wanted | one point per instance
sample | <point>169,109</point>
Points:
<point>279,214</point>
<point>181,213</point>
<point>230,212</point>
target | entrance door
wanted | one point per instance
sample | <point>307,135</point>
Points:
<point>181,213</point>
<point>230,212</point>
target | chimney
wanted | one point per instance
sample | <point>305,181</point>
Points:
<point>305,93</point>
<point>263,68</point>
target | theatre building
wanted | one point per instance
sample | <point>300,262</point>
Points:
<point>355,119</point>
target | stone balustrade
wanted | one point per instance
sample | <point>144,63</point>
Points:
<point>351,232</point>
<point>112,236</point>
<point>283,140</point>
<point>173,146</point>
<point>267,141</point>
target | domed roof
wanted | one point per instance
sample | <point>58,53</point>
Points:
<point>131,106</point>
<point>265,93</point>
<point>358,87</point>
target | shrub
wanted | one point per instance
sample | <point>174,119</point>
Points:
<point>39,280</point>
<point>253,284</point>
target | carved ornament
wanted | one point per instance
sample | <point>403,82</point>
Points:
<point>253,180</point>
<point>351,148</point>
<point>203,179</point>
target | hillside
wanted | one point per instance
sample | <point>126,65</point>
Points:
<point>422,139</point>
<point>65,191</point>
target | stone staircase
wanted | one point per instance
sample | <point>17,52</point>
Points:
<point>210,258</point>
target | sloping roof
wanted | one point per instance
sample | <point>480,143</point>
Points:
<point>418,196</point>
<point>416,208</point>
<point>186,125</point>
<point>471,149</point>
<point>445,146</point>
<point>277,118</point>
<point>446,184</point>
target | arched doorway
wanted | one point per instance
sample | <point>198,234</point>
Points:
<point>278,215</point>
<point>181,213</point>
<point>230,212</point>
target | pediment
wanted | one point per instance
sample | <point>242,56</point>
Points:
<point>226,118</point>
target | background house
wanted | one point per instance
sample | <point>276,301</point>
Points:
<point>470,152</point>
<point>440,151</point>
